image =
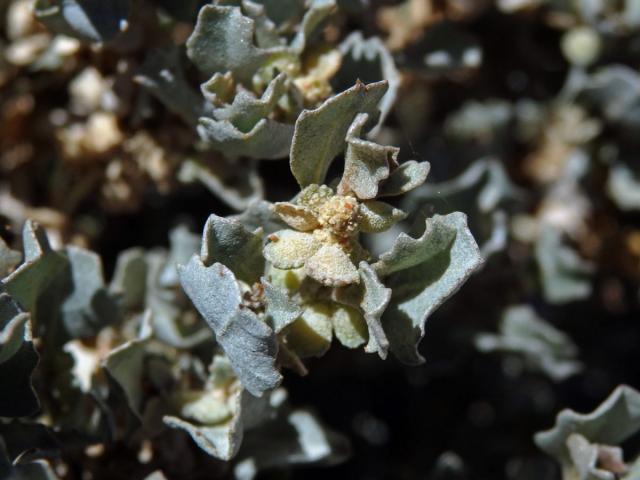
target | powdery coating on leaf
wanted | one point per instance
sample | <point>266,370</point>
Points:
<point>366,163</point>
<point>289,249</point>
<point>376,216</point>
<point>223,41</point>
<point>296,216</point>
<point>615,420</point>
<point>230,243</point>
<point>248,342</point>
<point>319,134</point>
<point>280,309</point>
<point>408,252</point>
<point>406,177</point>
<point>435,267</point>
<point>374,302</point>
<point>332,267</point>
<point>267,140</point>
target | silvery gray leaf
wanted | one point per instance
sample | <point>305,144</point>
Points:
<point>248,342</point>
<point>129,280</point>
<point>368,60</point>
<point>406,177</point>
<point>366,163</point>
<point>565,276</point>
<point>228,242</point>
<point>267,140</point>
<point>374,302</point>
<point>422,274</point>
<point>246,110</point>
<point>543,347</point>
<point>92,20</point>
<point>281,309</point>
<point>223,41</point>
<point>88,306</point>
<point>40,266</point>
<point>484,185</point>
<point>319,134</point>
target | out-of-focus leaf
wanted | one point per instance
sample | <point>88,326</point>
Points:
<point>8,258</point>
<point>248,342</point>
<point>368,60</point>
<point>624,187</point>
<point>183,245</point>
<point>35,470</point>
<point>162,74</point>
<point>317,12</point>
<point>366,163</point>
<point>238,191</point>
<point>486,187</point>
<point>18,359</point>
<point>615,420</point>
<point>260,214</point>
<point>89,306</point>
<point>40,266</point>
<point>543,347</point>
<point>446,48</point>
<point>128,283</point>
<point>565,276</point>
<point>615,89</point>
<point>427,271</point>
<point>230,243</point>
<point>281,309</point>
<point>92,20</point>
<point>223,41</point>
<point>319,134</point>
<point>297,438</point>
<point>126,366</point>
